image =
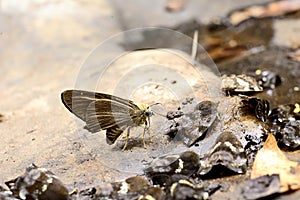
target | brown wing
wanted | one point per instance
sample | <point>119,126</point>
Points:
<point>101,111</point>
<point>77,101</point>
<point>113,133</point>
<point>104,114</point>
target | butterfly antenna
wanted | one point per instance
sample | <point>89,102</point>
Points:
<point>154,104</point>
<point>158,114</point>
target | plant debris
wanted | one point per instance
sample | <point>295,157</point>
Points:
<point>267,79</point>
<point>271,160</point>
<point>181,187</point>
<point>160,169</point>
<point>228,152</point>
<point>290,134</point>
<point>38,183</point>
<point>135,187</point>
<point>174,114</point>
<point>6,195</point>
<point>188,174</point>
<point>240,84</point>
<point>193,123</point>
<point>262,186</point>
<point>284,122</point>
<point>295,55</point>
<point>284,114</point>
<point>271,9</point>
<point>175,5</point>
<point>259,107</point>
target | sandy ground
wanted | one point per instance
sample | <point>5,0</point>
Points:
<point>44,46</point>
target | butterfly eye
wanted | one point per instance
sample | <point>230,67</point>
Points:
<point>148,113</point>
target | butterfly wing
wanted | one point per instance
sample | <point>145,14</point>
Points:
<point>77,101</point>
<point>104,114</point>
<point>113,133</point>
<point>102,111</point>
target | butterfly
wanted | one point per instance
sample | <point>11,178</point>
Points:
<point>107,112</point>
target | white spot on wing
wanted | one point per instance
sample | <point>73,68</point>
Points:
<point>180,167</point>
<point>216,146</point>
<point>124,188</point>
<point>231,147</point>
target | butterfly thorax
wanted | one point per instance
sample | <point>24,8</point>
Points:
<point>142,114</point>
<point>146,109</point>
<point>142,106</point>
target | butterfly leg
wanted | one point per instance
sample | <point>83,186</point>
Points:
<point>127,138</point>
<point>150,136</point>
<point>149,132</point>
<point>145,146</point>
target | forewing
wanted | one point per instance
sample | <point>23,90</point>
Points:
<point>106,113</point>
<point>78,101</point>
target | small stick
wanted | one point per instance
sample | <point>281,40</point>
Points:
<point>195,47</point>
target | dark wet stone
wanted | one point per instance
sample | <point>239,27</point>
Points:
<point>290,135</point>
<point>163,167</point>
<point>174,114</point>
<point>254,142</point>
<point>284,122</point>
<point>105,190</point>
<point>267,79</point>
<point>284,113</point>
<point>7,196</point>
<point>259,107</point>
<point>240,84</point>
<point>193,125</point>
<point>260,187</point>
<point>88,192</point>
<point>188,100</point>
<point>180,187</point>
<point>153,193</point>
<point>226,152</point>
<point>241,120</point>
<point>38,183</point>
<point>135,187</point>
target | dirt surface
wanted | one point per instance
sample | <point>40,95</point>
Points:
<point>50,46</point>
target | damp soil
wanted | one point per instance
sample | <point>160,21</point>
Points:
<point>238,49</point>
<point>253,48</point>
<point>273,58</point>
<point>260,54</point>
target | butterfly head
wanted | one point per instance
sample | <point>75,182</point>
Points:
<point>146,108</point>
<point>148,112</point>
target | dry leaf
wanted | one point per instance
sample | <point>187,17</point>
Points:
<point>271,160</point>
<point>175,5</point>
<point>272,9</point>
<point>295,55</point>
<point>220,53</point>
